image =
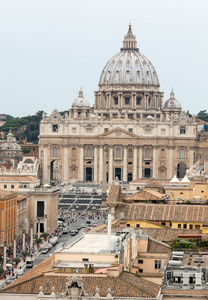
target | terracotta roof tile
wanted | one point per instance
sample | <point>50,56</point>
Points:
<point>126,285</point>
<point>167,212</point>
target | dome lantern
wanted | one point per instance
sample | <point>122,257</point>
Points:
<point>129,42</point>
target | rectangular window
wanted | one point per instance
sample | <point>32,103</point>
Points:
<point>116,101</point>
<point>137,225</point>
<point>128,225</point>
<point>182,130</point>
<point>185,226</point>
<point>191,226</point>
<point>33,149</point>
<point>147,131</point>
<point>74,130</point>
<point>140,261</point>
<point>85,259</point>
<point>138,101</point>
<point>5,186</point>
<point>40,208</point>
<point>197,226</point>
<point>130,130</point>
<point>163,223</point>
<point>25,186</point>
<point>127,101</point>
<point>181,193</point>
<point>106,130</point>
<point>55,128</point>
<point>130,163</point>
<point>163,131</point>
<point>140,270</point>
<point>12,186</point>
<point>179,225</point>
<point>157,264</point>
<point>89,130</point>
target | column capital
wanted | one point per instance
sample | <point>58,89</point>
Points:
<point>45,145</point>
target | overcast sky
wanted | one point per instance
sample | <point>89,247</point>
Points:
<point>51,48</point>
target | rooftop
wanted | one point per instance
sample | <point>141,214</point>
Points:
<point>89,243</point>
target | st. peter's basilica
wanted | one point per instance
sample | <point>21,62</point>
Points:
<point>129,128</point>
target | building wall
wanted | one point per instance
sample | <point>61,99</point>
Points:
<point>8,214</point>
<point>71,157</point>
<point>49,219</point>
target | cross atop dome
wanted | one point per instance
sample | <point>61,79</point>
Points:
<point>129,42</point>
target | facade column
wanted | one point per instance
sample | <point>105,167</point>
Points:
<point>104,183</point>
<point>15,247</point>
<point>154,174</point>
<point>191,157</point>
<point>170,162</point>
<point>101,164</point>
<point>135,163</point>
<point>133,100</point>
<point>125,164</point>
<point>4,263</point>
<point>140,161</point>
<point>81,163</point>
<point>119,100</point>
<point>111,164</point>
<point>65,163</point>
<point>38,228</point>
<point>45,224</point>
<point>31,237</point>
<point>46,178</point>
<point>95,164</point>
<point>23,240</point>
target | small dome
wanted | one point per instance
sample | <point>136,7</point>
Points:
<point>150,117</point>
<point>80,101</point>
<point>172,103</point>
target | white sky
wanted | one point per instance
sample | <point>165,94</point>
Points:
<point>50,48</point>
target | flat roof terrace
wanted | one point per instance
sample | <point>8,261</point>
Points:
<point>90,243</point>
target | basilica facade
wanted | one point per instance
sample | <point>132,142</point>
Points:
<point>130,129</point>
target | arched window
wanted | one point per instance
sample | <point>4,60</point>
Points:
<point>73,151</point>
<point>147,153</point>
<point>118,152</point>
<point>130,153</point>
<point>55,151</point>
<point>89,152</point>
<point>182,153</point>
<point>162,153</point>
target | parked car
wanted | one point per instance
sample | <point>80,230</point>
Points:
<point>73,233</point>
<point>45,250</point>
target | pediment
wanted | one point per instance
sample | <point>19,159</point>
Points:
<point>118,133</point>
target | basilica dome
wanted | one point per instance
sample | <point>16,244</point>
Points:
<point>172,103</point>
<point>129,66</point>
<point>80,101</point>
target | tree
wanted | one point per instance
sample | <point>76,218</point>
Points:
<point>25,150</point>
<point>202,115</point>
